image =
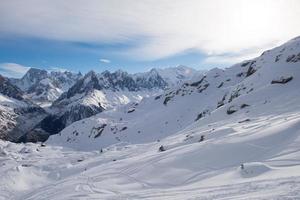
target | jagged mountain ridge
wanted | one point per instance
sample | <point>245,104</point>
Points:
<point>95,93</point>
<point>44,87</point>
<point>84,96</point>
<point>218,91</point>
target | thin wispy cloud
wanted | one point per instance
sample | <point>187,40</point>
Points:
<point>103,60</point>
<point>13,70</point>
<point>169,27</point>
<point>232,58</point>
<point>57,69</point>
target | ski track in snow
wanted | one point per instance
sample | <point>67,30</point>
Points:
<point>141,172</point>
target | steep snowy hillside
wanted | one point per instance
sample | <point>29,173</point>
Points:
<point>238,90</point>
<point>44,87</point>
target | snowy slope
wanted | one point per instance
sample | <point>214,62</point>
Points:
<point>240,88</point>
<point>231,134</point>
<point>267,145</point>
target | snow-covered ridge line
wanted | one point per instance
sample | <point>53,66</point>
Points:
<point>231,91</point>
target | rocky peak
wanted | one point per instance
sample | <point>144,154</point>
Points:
<point>85,84</point>
<point>10,90</point>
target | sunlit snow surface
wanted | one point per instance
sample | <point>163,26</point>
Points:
<point>253,153</point>
<point>268,147</point>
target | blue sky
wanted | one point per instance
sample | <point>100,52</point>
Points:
<point>73,56</point>
<point>133,35</point>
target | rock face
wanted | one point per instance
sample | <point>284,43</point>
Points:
<point>116,81</point>
<point>17,114</point>
<point>44,87</point>
<point>10,90</point>
<point>18,117</point>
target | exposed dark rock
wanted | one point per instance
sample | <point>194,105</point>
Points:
<point>131,110</point>
<point>53,124</point>
<point>277,58</point>
<point>35,135</point>
<point>236,92</point>
<point>157,97</point>
<point>293,58</point>
<point>124,128</point>
<point>251,89</point>
<point>246,120</point>
<point>99,130</point>
<point>231,110</point>
<point>221,84</point>
<point>201,138</point>
<point>250,71</point>
<point>240,74</point>
<point>196,84</point>
<point>205,86</point>
<point>244,105</point>
<point>202,114</point>
<point>245,64</point>
<point>167,99</point>
<point>221,103</point>
<point>161,148</point>
<point>10,90</point>
<point>29,109</point>
<point>282,80</point>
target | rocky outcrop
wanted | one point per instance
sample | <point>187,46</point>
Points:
<point>282,80</point>
<point>10,90</point>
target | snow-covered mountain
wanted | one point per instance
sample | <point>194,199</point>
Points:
<point>17,114</point>
<point>44,87</point>
<point>245,88</point>
<point>69,97</point>
<point>95,93</point>
<point>231,134</point>
<point>177,75</point>
<point>90,94</point>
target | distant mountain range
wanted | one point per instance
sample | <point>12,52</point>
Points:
<point>66,97</point>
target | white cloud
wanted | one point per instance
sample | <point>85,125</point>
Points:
<point>166,27</point>
<point>103,60</point>
<point>57,69</point>
<point>13,69</point>
<point>232,58</point>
